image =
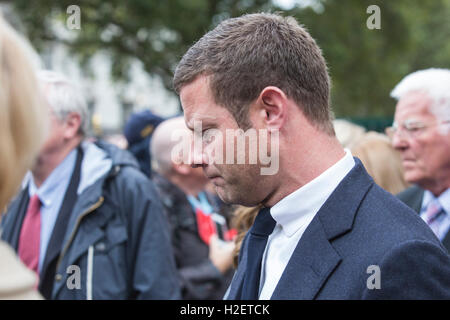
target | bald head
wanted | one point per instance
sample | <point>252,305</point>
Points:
<point>166,136</point>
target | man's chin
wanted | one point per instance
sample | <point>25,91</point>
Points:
<point>230,198</point>
<point>226,196</point>
<point>412,177</point>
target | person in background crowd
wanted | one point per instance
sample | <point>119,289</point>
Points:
<point>118,140</point>
<point>421,133</point>
<point>22,130</point>
<point>200,235</point>
<point>138,132</point>
<point>87,221</point>
<point>376,153</point>
<point>324,222</point>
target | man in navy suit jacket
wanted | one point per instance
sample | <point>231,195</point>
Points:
<point>255,93</point>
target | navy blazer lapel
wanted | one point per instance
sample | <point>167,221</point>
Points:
<point>446,241</point>
<point>314,258</point>
<point>416,202</point>
<point>312,261</point>
<point>413,197</point>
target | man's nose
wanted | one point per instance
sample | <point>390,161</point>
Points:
<point>399,142</point>
<point>197,158</point>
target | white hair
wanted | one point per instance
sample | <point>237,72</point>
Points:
<point>435,83</point>
<point>64,97</point>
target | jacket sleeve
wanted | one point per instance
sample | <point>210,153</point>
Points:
<point>150,255</point>
<point>200,280</point>
<point>413,270</point>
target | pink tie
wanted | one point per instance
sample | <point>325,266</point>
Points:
<point>30,235</point>
<point>433,211</point>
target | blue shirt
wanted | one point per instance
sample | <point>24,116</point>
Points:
<point>443,219</point>
<point>51,193</point>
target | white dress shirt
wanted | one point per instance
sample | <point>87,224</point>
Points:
<point>443,219</point>
<point>293,215</point>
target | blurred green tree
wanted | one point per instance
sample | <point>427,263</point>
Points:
<point>364,64</point>
<point>155,32</point>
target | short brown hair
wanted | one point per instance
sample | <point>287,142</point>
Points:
<point>244,55</point>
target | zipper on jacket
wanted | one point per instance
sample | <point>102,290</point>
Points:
<point>72,236</point>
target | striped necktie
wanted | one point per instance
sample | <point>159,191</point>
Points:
<point>434,210</point>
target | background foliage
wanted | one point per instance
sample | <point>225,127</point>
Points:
<point>364,64</point>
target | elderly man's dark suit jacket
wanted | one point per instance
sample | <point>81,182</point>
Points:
<point>361,225</point>
<point>413,197</point>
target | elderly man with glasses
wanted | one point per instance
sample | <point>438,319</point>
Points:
<point>421,133</point>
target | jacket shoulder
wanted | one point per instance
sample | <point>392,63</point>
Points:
<point>418,265</point>
<point>390,221</point>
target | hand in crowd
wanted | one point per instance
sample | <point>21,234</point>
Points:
<point>221,253</point>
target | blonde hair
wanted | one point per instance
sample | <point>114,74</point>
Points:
<point>375,151</point>
<point>243,218</point>
<point>381,161</point>
<point>22,113</point>
<point>348,133</point>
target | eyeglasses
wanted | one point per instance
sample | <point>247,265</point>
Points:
<point>410,128</point>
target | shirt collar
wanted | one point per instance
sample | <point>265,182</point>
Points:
<point>444,200</point>
<point>299,207</point>
<point>58,177</point>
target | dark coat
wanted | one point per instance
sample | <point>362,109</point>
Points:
<point>117,233</point>
<point>359,226</point>
<point>413,198</point>
<point>199,278</point>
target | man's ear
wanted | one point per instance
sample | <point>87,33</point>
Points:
<point>72,125</point>
<point>272,107</point>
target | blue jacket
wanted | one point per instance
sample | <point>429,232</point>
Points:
<point>362,244</point>
<point>117,241</point>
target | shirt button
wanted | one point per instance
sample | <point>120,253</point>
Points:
<point>58,277</point>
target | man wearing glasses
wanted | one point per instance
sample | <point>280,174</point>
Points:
<point>421,133</point>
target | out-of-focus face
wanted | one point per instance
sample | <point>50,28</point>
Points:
<point>55,136</point>
<point>425,152</point>
<point>63,134</point>
<point>234,183</point>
